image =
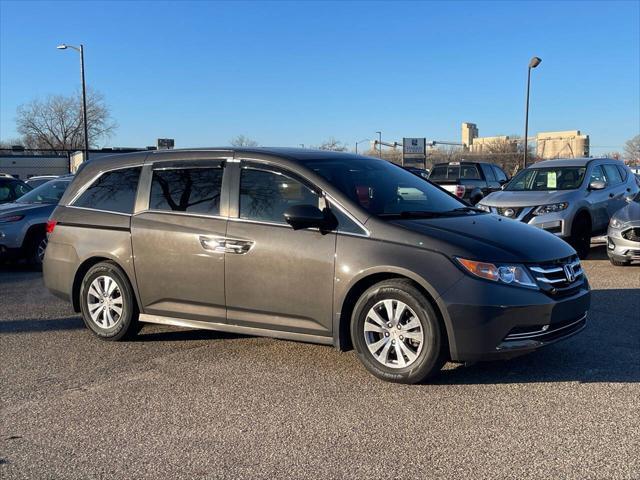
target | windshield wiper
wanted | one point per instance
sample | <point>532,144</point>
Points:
<point>467,209</point>
<point>413,214</point>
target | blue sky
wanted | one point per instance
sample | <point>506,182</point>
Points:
<point>286,73</point>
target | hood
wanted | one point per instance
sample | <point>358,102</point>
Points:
<point>490,238</point>
<point>505,198</point>
<point>629,214</point>
<point>30,209</point>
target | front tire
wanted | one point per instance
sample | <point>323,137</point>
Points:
<point>397,334</point>
<point>619,263</point>
<point>107,303</point>
<point>581,236</point>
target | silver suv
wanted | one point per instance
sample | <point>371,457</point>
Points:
<point>571,198</point>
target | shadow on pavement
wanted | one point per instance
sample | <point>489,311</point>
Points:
<point>22,326</point>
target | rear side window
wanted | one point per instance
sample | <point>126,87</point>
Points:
<point>266,195</point>
<point>488,172</point>
<point>113,191</point>
<point>500,175</point>
<point>623,172</point>
<point>612,174</point>
<point>191,190</point>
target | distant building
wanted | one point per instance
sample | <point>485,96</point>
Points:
<point>469,132</point>
<point>473,143</point>
<point>567,144</point>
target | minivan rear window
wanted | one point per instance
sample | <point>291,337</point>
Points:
<point>113,191</point>
<point>191,190</point>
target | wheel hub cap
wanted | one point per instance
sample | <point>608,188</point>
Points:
<point>393,334</point>
<point>104,301</point>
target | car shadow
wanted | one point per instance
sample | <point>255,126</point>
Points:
<point>607,350</point>
<point>29,325</point>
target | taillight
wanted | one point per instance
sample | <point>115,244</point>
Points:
<point>460,191</point>
<point>51,224</point>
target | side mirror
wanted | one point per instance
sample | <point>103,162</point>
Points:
<point>309,216</point>
<point>597,185</point>
<point>502,182</point>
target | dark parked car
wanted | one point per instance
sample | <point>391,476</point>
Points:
<point>23,222</point>
<point>317,246</point>
<point>11,188</point>
<point>471,181</point>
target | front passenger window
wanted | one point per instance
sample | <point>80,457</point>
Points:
<point>612,173</point>
<point>597,175</point>
<point>266,195</point>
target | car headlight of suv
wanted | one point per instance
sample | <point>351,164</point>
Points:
<point>11,218</point>
<point>551,208</point>
<point>501,273</point>
<point>486,208</point>
<point>615,223</point>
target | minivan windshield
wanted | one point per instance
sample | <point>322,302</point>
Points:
<point>387,190</point>
<point>546,179</point>
<point>50,192</point>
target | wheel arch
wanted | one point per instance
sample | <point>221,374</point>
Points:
<point>342,319</point>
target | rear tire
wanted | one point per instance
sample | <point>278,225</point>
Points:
<point>107,302</point>
<point>581,236</point>
<point>397,333</point>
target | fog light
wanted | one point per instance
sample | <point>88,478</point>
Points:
<point>610,244</point>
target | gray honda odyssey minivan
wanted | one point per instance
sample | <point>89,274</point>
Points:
<point>307,245</point>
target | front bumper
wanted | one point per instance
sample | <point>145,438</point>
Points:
<point>620,248</point>
<point>488,321</point>
<point>556,223</point>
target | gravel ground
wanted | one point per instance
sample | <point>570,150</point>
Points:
<point>192,404</point>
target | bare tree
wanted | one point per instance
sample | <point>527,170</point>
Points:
<point>632,150</point>
<point>243,141</point>
<point>334,145</point>
<point>56,122</point>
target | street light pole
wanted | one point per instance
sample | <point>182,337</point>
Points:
<point>361,141</point>
<point>80,50</point>
<point>379,144</point>
<point>535,61</point>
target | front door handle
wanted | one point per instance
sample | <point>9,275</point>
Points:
<point>225,245</point>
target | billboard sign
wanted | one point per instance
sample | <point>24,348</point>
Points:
<point>414,146</point>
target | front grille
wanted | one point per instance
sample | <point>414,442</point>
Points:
<point>546,332</point>
<point>560,276</point>
<point>510,212</point>
<point>632,234</point>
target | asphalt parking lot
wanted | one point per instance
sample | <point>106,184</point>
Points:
<point>192,404</point>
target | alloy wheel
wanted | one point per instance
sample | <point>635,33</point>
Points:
<point>42,246</point>
<point>393,333</point>
<point>104,302</point>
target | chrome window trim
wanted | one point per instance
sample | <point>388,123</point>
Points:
<point>94,179</point>
<point>101,211</point>
<point>184,214</point>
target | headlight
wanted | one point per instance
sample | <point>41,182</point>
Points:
<point>552,208</point>
<point>483,207</point>
<point>11,218</point>
<point>507,274</point>
<point>615,223</point>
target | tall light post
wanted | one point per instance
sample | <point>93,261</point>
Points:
<point>80,50</point>
<point>361,141</point>
<point>535,61</point>
<point>379,144</point>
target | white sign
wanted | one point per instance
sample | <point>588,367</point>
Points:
<point>413,146</point>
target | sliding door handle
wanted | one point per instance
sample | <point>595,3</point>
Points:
<point>225,245</point>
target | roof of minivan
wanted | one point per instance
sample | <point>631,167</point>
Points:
<point>564,162</point>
